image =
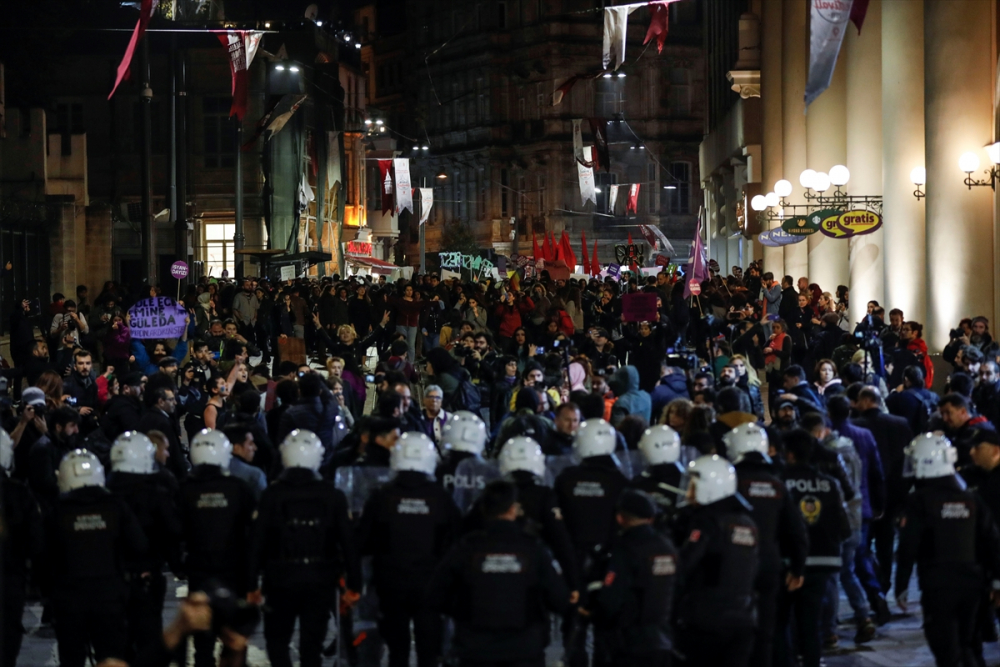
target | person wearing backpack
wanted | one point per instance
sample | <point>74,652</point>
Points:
<point>912,401</point>
<point>445,371</point>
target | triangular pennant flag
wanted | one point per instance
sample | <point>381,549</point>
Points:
<point>633,199</point>
<point>630,238</point>
<point>595,265</point>
<point>658,18</point>
<point>536,252</point>
<point>546,249</point>
<point>858,11</point>
<point>385,180</point>
<point>583,248</point>
<point>146,9</point>
<point>242,46</point>
<point>557,249</point>
<point>568,255</point>
<point>599,127</point>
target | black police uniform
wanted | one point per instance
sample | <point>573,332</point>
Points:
<point>216,511</point>
<point>650,481</point>
<point>445,473</point>
<point>718,569</point>
<point>633,607</point>
<point>160,521</point>
<point>588,494</point>
<point>302,541</point>
<point>90,532</point>
<point>783,540</point>
<point>23,541</point>
<point>497,584</point>
<point>951,536</point>
<point>408,525</point>
<point>821,503</point>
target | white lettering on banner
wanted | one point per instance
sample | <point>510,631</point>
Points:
<point>288,273</point>
<point>359,248</point>
<point>744,536</point>
<point>808,485</point>
<point>588,490</point>
<point>501,564</point>
<point>955,511</point>
<point>664,566</point>
<point>212,501</point>
<point>586,176</point>
<point>404,193</point>
<point>465,482</point>
<point>475,263</point>
<point>761,490</point>
<point>86,522</point>
<point>413,506</point>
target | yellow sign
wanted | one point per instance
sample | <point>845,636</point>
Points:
<point>850,223</point>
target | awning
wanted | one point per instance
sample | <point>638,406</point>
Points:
<point>376,265</point>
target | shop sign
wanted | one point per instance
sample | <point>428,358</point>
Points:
<point>851,223</point>
<point>800,226</point>
<point>359,248</point>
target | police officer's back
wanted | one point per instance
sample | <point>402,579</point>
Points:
<point>718,567</point>
<point>90,533</point>
<point>661,448</point>
<point>951,536</point>
<point>633,606</point>
<point>464,473</point>
<point>497,584</point>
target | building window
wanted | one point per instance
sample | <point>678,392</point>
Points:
<point>679,198</point>
<point>219,248</point>
<point>66,121</point>
<point>679,97</point>
<point>220,139</point>
<point>502,15</point>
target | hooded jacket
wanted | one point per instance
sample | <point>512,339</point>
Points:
<point>670,387</point>
<point>633,401</point>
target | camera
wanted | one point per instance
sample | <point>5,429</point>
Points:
<point>540,350</point>
<point>369,378</point>
<point>230,611</point>
<point>71,400</point>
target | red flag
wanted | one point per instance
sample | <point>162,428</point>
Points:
<point>595,265</point>
<point>583,248</point>
<point>385,173</point>
<point>858,11</point>
<point>146,10</point>
<point>546,249</point>
<point>633,202</point>
<point>658,17</point>
<point>242,46</point>
<point>568,255</point>
<point>535,250</point>
<point>630,238</point>
<point>553,249</point>
<point>563,90</point>
<point>557,249</point>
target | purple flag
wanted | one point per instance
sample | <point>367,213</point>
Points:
<point>697,269</point>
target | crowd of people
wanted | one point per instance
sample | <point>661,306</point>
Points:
<point>696,488</point>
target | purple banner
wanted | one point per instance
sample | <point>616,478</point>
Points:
<point>159,317</point>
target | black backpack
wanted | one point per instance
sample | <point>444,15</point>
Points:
<point>466,396</point>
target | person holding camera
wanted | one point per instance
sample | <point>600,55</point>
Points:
<point>69,321</point>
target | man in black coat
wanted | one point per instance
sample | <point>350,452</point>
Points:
<point>160,418</point>
<point>789,299</point>
<point>124,411</point>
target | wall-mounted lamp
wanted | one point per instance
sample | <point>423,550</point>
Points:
<point>969,162</point>
<point>919,178</point>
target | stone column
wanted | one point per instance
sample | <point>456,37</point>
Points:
<point>958,113</point>
<point>902,150</point>
<point>771,152</point>
<point>795,40</point>
<point>862,55</point>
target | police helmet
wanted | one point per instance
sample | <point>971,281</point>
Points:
<point>713,477</point>
<point>660,444</point>
<point>302,449</point>
<point>745,439</point>
<point>6,451</point>
<point>929,455</point>
<point>522,453</point>
<point>416,452</point>
<point>595,437</point>
<point>464,432</point>
<point>211,447</point>
<point>79,468</point>
<point>133,452</point>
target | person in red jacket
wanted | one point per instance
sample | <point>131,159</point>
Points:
<point>509,313</point>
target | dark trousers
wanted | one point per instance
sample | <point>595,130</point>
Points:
<point>101,626</point>
<point>806,604</point>
<point>204,642</point>
<point>144,613</point>
<point>575,642</point>
<point>865,568</point>
<point>311,605</point>
<point>13,613</point>
<point>950,624</point>
<point>883,532</point>
<point>721,647</point>
<point>768,586</point>
<point>396,609</point>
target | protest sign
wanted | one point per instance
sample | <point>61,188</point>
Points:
<point>288,272</point>
<point>159,317</point>
<point>613,270</point>
<point>639,307</point>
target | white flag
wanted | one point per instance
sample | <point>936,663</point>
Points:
<point>404,193</point>
<point>426,202</point>
<point>578,141</point>
<point>615,29</point>
<point>612,199</point>
<point>586,175</point>
<point>827,24</point>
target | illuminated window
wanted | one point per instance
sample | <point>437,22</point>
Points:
<point>219,248</point>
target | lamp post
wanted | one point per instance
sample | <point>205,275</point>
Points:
<point>969,162</point>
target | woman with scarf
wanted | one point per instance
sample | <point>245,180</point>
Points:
<point>827,382</point>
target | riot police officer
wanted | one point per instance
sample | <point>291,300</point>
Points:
<point>408,525</point>
<point>587,495</point>
<point>497,584</point>
<point>464,473</point>
<point>23,541</point>
<point>661,448</point>
<point>216,510</point>
<point>782,531</point>
<point>134,480</point>
<point>633,606</point>
<point>821,504</point>
<point>302,542</point>
<point>951,536</point>
<point>718,566</point>
<point>90,532</point>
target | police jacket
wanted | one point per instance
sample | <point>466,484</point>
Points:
<point>407,525</point>
<point>90,533</point>
<point>157,514</point>
<point>445,472</point>
<point>497,584</point>
<point>821,504</point>
<point>652,479</point>
<point>950,534</point>
<point>782,531</point>
<point>587,495</point>
<point>25,531</point>
<point>718,566</point>
<point>216,510</point>
<point>637,596</point>
<point>302,535</point>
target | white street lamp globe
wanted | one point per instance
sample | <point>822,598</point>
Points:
<point>993,151</point>
<point>783,188</point>
<point>758,203</point>
<point>771,199</point>
<point>806,178</point>
<point>919,176</point>
<point>839,175</point>
<point>969,162</point>
<point>821,181</point>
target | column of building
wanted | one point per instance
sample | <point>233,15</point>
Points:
<point>795,36</point>
<point>771,151</point>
